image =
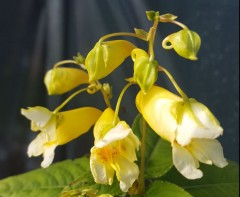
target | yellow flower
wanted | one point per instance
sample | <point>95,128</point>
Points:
<point>106,57</point>
<point>189,126</point>
<point>57,129</point>
<point>114,151</point>
<point>61,80</point>
<point>185,42</point>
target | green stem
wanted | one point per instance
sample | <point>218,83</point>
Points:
<point>179,90</point>
<point>164,20</point>
<point>141,188</point>
<point>121,34</point>
<point>68,99</point>
<point>151,38</point>
<point>68,62</point>
<point>119,102</point>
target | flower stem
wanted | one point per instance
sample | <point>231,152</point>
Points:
<point>121,34</point>
<point>68,62</point>
<point>151,38</point>
<point>68,99</point>
<point>119,102</point>
<point>179,90</point>
<point>141,180</point>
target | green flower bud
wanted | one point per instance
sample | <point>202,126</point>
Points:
<point>185,42</point>
<point>106,57</point>
<point>145,71</point>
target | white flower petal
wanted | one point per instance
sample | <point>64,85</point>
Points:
<point>36,147</point>
<point>119,132</point>
<point>208,151</point>
<point>127,172</point>
<point>38,115</point>
<point>48,154</point>
<point>197,122</point>
<point>102,172</point>
<point>185,163</point>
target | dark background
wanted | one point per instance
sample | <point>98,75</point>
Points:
<point>36,34</point>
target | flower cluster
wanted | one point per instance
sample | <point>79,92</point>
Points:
<point>186,124</point>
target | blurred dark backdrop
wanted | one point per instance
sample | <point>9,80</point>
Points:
<point>36,34</point>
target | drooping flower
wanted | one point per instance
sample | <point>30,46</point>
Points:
<point>61,80</point>
<point>114,150</point>
<point>106,57</point>
<point>57,128</point>
<point>189,126</point>
<point>185,42</point>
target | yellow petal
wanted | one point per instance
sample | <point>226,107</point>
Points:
<point>127,172</point>
<point>185,163</point>
<point>156,108</point>
<point>74,123</point>
<point>128,147</point>
<point>61,80</point>
<point>208,151</point>
<point>101,170</point>
<point>104,124</point>
<point>106,57</point>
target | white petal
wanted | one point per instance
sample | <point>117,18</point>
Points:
<point>185,163</point>
<point>197,122</point>
<point>102,172</point>
<point>119,132</point>
<point>127,172</point>
<point>38,115</point>
<point>48,155</point>
<point>208,151</point>
<point>36,147</point>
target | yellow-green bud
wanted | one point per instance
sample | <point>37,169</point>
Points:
<point>145,71</point>
<point>61,80</point>
<point>106,57</point>
<point>185,42</point>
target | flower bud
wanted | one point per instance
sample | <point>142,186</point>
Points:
<point>185,42</point>
<point>61,80</point>
<point>106,57</point>
<point>145,71</point>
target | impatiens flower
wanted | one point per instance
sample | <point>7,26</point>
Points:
<point>106,57</point>
<point>114,150</point>
<point>61,80</point>
<point>57,128</point>
<point>185,42</point>
<point>188,125</point>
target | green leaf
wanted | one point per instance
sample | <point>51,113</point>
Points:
<point>220,182</point>
<point>167,17</point>
<point>158,154</point>
<point>161,189</point>
<point>67,178</point>
<point>141,32</point>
